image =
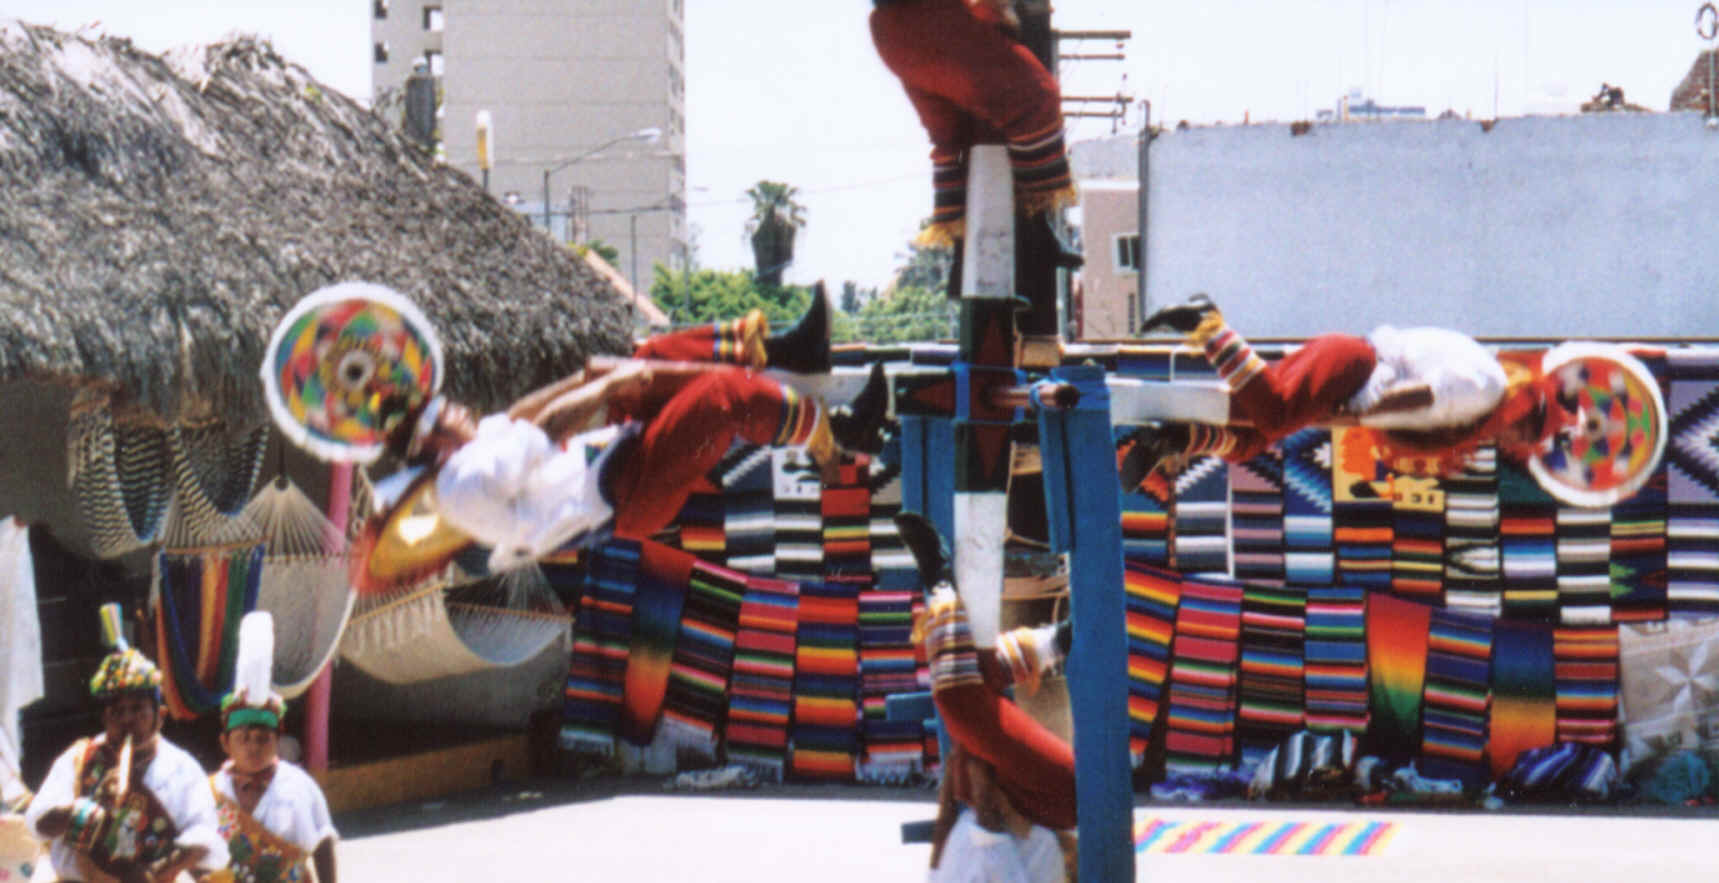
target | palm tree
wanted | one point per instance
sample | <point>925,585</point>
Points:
<point>775,219</point>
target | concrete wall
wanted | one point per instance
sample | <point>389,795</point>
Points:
<point>1546,226</point>
<point>559,78</point>
<point>1108,303</point>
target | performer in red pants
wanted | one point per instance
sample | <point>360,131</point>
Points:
<point>1034,766</point>
<point>537,479</point>
<point>1434,394</point>
<point>972,83</point>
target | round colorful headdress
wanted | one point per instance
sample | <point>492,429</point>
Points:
<point>345,365</point>
<point>1615,430</point>
<point>253,701</point>
<point>124,670</point>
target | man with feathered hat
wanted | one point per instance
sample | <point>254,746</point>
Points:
<point>127,805</point>
<point>272,814</point>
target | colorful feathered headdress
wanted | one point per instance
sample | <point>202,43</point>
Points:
<point>253,701</point>
<point>124,670</point>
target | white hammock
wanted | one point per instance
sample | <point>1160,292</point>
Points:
<point>304,585</point>
<point>421,637</point>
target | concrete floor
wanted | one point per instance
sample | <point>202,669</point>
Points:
<point>628,831</point>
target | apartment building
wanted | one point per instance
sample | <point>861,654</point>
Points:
<point>587,106</point>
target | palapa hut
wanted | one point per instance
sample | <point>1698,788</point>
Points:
<point>161,213</point>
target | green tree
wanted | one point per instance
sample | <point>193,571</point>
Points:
<point>905,314</point>
<point>776,218</point>
<point>604,250</point>
<point>701,296</point>
<point>925,267</point>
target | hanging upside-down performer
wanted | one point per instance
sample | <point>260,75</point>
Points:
<point>972,82</point>
<point>1034,766</point>
<point>538,478</point>
<point>127,805</point>
<point>1587,419</point>
<point>272,814</point>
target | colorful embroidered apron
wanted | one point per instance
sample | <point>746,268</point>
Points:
<point>139,828</point>
<point>258,854</point>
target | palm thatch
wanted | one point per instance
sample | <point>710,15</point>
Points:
<point>161,213</point>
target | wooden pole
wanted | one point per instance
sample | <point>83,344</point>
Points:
<point>318,700</point>
<point>1084,510</point>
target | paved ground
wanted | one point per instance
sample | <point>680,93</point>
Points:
<point>625,831</point>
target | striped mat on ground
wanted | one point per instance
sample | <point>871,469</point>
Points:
<point>894,750</point>
<point>602,638</point>
<point>825,730</point>
<point>1200,730</point>
<point>1152,596</point>
<point>1336,659</point>
<point>701,523</point>
<point>845,514</point>
<point>761,691</point>
<point>703,660</point>
<point>1161,836</point>
<point>1638,527</point>
<point>1584,552</point>
<point>1457,697</point>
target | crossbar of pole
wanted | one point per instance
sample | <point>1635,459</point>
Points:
<point>1094,35</point>
<point>1094,56</point>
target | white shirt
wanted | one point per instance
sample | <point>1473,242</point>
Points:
<point>1465,378</point>
<point>173,776</point>
<point>975,855</point>
<point>514,490</point>
<point>293,808</point>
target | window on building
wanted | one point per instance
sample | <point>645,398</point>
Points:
<point>1126,251</point>
<point>433,19</point>
<point>379,8</point>
<point>380,51</point>
<point>435,60</point>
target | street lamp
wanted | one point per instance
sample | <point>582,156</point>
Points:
<point>647,135</point>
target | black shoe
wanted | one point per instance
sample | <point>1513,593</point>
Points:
<point>858,425</point>
<point>1064,637</point>
<point>1181,317</point>
<point>1149,446</point>
<point>930,553</point>
<point>804,348</point>
<point>1066,256</point>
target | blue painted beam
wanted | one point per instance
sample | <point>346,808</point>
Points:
<point>1084,507</point>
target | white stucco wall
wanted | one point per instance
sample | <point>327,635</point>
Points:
<point>1548,226</point>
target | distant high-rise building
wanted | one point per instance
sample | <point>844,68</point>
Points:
<point>560,79</point>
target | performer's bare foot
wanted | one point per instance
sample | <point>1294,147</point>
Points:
<point>1182,318</point>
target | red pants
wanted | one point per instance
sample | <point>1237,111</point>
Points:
<point>1305,387</point>
<point>721,342</point>
<point>971,84</point>
<point>1035,767</point>
<point>690,420</point>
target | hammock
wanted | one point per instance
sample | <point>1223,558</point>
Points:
<point>200,597</point>
<point>119,473</point>
<point>422,636</point>
<point>213,474</point>
<point>300,578</point>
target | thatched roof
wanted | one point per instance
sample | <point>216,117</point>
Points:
<point>160,214</point>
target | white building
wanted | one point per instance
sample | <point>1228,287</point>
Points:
<point>1592,225</point>
<point>559,79</point>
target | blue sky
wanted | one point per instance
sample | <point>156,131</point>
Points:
<point>792,90</point>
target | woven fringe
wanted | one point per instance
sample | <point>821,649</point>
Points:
<point>688,740</point>
<point>942,235</point>
<point>1032,203</point>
